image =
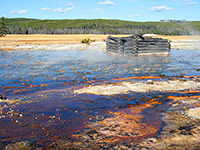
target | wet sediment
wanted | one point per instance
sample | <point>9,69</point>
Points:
<point>163,120</point>
<point>161,113</point>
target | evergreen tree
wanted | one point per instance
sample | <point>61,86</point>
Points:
<point>3,29</point>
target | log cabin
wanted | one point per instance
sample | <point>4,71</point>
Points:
<point>137,45</point>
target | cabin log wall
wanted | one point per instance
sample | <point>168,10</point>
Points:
<point>136,44</point>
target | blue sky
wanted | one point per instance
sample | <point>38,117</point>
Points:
<point>131,10</point>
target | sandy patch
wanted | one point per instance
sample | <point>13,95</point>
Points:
<point>92,46</point>
<point>183,42</point>
<point>194,112</point>
<point>50,42</point>
<point>125,87</point>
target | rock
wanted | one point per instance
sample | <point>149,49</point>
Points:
<point>123,147</point>
<point>182,79</point>
<point>92,132</point>
<point>2,97</point>
<point>117,148</point>
<point>151,140</point>
<point>196,79</point>
<point>23,145</point>
<point>162,75</point>
<point>150,82</point>
<point>198,70</point>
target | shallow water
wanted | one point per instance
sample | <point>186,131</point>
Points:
<point>43,81</point>
<point>33,70</point>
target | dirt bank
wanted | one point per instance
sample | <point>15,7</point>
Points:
<point>57,42</point>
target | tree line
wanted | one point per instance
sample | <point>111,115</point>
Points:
<point>100,26</point>
<point>3,28</point>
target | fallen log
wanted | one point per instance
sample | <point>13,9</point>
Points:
<point>154,47</point>
<point>152,51</point>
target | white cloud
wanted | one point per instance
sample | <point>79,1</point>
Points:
<point>187,2</point>
<point>107,2</point>
<point>18,12</point>
<point>22,11</point>
<point>13,11</point>
<point>68,5</point>
<point>97,10</point>
<point>58,10</point>
<point>190,2</point>
<point>68,9</point>
<point>45,8</point>
<point>133,16</point>
<point>160,8</point>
